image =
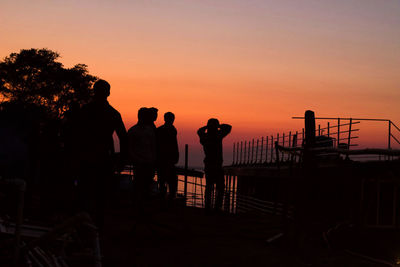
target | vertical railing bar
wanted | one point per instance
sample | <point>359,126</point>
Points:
<point>248,153</point>
<point>290,140</point>
<point>186,170</point>
<point>255,161</point>
<point>266,149</point>
<point>262,149</point>
<point>241,152</point>
<point>283,144</point>
<point>338,133</point>
<point>328,129</point>
<point>390,133</point>
<point>252,151</point>
<point>245,152</point>
<point>233,154</point>
<point>349,136</point>
<point>272,149</point>
<point>276,142</point>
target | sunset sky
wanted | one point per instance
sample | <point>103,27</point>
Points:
<point>252,64</point>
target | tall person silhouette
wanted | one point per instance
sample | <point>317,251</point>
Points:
<point>98,121</point>
<point>142,155</point>
<point>211,137</point>
<point>167,156</point>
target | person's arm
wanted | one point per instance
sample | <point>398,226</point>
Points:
<point>122,136</point>
<point>176,148</point>
<point>202,133</point>
<point>225,129</point>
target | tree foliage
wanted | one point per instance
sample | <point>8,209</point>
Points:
<point>33,77</point>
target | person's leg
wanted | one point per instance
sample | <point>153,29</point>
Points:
<point>209,190</point>
<point>172,182</point>
<point>162,176</point>
<point>220,186</point>
<point>139,189</point>
<point>103,177</point>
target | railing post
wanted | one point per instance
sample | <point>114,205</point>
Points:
<point>349,137</point>
<point>241,152</point>
<point>266,149</point>
<point>233,154</point>
<point>255,161</point>
<point>245,152</point>
<point>283,144</point>
<point>252,151</point>
<point>389,133</point>
<point>186,170</point>
<point>248,152</point>
<point>272,149</point>
<point>338,132</point>
<point>328,129</point>
<point>262,147</point>
<point>237,153</point>
<point>277,143</point>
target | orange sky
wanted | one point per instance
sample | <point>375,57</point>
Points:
<point>253,64</point>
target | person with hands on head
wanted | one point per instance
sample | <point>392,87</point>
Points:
<point>211,137</point>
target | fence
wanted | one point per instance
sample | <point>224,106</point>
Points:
<point>263,150</point>
<point>339,133</point>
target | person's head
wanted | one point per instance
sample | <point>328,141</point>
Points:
<point>212,125</point>
<point>101,90</point>
<point>143,115</point>
<point>153,114</point>
<point>169,118</point>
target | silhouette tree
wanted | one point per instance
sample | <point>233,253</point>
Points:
<point>33,77</point>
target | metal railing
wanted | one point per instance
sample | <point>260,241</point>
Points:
<point>263,150</point>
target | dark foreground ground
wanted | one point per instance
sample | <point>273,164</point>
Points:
<point>187,237</point>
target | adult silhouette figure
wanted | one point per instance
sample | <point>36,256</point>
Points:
<point>211,138</point>
<point>142,154</point>
<point>98,121</point>
<point>167,156</point>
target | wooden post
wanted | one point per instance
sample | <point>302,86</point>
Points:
<point>186,170</point>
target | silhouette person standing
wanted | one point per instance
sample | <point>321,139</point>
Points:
<point>167,156</point>
<point>98,120</point>
<point>142,154</point>
<point>211,138</point>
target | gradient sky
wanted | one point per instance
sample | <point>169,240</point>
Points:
<point>253,64</point>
